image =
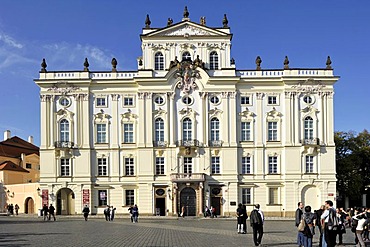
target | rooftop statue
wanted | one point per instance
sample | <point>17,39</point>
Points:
<point>328,63</point>
<point>225,22</point>
<point>203,20</point>
<point>198,62</point>
<point>147,22</point>
<point>174,63</point>
<point>43,65</point>
<point>186,12</point>
<point>169,22</point>
<point>258,62</point>
<point>286,63</point>
<point>86,65</point>
<point>114,65</point>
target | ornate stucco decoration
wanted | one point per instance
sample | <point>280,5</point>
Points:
<point>64,113</point>
<point>274,114</point>
<point>159,113</point>
<point>215,113</point>
<point>247,114</point>
<point>187,46</point>
<point>186,30</point>
<point>63,88</point>
<point>101,116</point>
<point>309,86</point>
<point>188,112</point>
<point>186,74</point>
<point>310,110</point>
<point>128,116</point>
<point>220,46</point>
<point>155,46</point>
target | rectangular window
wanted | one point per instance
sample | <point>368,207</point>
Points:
<point>273,165</point>
<point>28,166</point>
<point>101,102</point>
<point>128,133</point>
<point>272,131</point>
<point>103,198</point>
<point>273,196</point>
<point>188,165</point>
<point>245,100</point>
<point>246,165</point>
<point>245,131</point>
<point>246,196</point>
<point>65,167</point>
<point>102,167</point>
<point>272,100</point>
<point>129,166</point>
<point>129,197</point>
<point>128,101</point>
<point>309,164</point>
<point>101,133</point>
<point>159,166</point>
<point>215,165</point>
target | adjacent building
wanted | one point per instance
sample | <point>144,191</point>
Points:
<point>187,130</point>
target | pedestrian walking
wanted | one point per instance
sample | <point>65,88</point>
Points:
<point>361,221</point>
<point>107,213</point>
<point>16,208</point>
<point>130,211</point>
<point>298,217</point>
<point>51,211</point>
<point>112,213</point>
<point>86,211</point>
<point>256,221</point>
<point>240,214</point>
<point>135,213</point>
<point>45,211</point>
<point>331,224</point>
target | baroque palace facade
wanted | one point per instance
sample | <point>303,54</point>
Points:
<point>187,130</point>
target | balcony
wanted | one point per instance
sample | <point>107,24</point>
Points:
<point>62,144</point>
<point>188,177</point>
<point>215,143</point>
<point>187,143</point>
<point>160,144</point>
<point>311,142</point>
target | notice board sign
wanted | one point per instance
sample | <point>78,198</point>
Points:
<point>85,197</point>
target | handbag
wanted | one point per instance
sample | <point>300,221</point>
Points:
<point>302,225</point>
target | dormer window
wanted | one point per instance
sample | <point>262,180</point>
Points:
<point>186,56</point>
<point>213,60</point>
<point>158,61</point>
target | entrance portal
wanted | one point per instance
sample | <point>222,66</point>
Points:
<point>29,206</point>
<point>160,205</point>
<point>188,202</point>
<point>65,202</point>
<point>216,203</point>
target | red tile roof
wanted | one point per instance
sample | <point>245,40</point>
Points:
<point>10,166</point>
<point>15,146</point>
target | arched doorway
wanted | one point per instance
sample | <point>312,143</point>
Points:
<point>311,196</point>
<point>188,201</point>
<point>29,206</point>
<point>65,202</point>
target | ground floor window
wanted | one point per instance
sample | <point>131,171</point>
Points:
<point>103,197</point>
<point>273,196</point>
<point>246,196</point>
<point>129,197</point>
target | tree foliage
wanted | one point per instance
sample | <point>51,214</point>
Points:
<point>352,162</point>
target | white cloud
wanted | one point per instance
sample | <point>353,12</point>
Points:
<point>9,41</point>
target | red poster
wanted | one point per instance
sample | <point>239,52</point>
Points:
<point>45,197</point>
<point>85,197</point>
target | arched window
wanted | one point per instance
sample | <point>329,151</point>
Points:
<point>215,129</point>
<point>186,129</point>
<point>158,61</point>
<point>159,129</point>
<point>213,60</point>
<point>64,130</point>
<point>308,128</point>
<point>186,56</point>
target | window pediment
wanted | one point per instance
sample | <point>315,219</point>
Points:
<point>188,112</point>
<point>128,116</point>
<point>159,113</point>
<point>64,113</point>
<point>101,117</point>
<point>310,110</point>
<point>247,114</point>
<point>274,114</point>
<point>215,112</point>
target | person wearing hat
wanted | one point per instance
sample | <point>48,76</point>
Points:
<point>256,220</point>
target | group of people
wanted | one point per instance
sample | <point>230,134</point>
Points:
<point>134,213</point>
<point>12,208</point>
<point>210,212</point>
<point>47,212</point>
<point>109,213</point>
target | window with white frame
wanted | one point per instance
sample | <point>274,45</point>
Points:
<point>102,167</point>
<point>128,101</point>
<point>103,198</point>
<point>129,167</point>
<point>215,129</point>
<point>273,164</point>
<point>101,133</point>
<point>272,100</point>
<point>187,129</point>
<point>186,56</point>
<point>159,165</point>
<point>64,130</point>
<point>188,165</point>
<point>245,131</point>
<point>101,102</point>
<point>308,128</point>
<point>215,166</point>
<point>246,165</point>
<point>246,196</point>
<point>65,167</point>
<point>245,100</point>
<point>272,131</point>
<point>159,129</point>
<point>273,195</point>
<point>128,133</point>
<point>213,60</point>
<point>129,197</point>
<point>309,164</point>
<point>158,61</point>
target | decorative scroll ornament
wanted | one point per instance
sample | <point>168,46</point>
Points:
<point>309,86</point>
<point>187,74</point>
<point>63,88</point>
<point>187,30</point>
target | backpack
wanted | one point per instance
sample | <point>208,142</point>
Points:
<point>333,222</point>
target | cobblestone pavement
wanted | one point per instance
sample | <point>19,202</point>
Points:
<point>74,231</point>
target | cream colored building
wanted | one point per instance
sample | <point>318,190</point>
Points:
<point>187,130</point>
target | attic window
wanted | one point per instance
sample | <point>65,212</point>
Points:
<point>28,166</point>
<point>186,56</point>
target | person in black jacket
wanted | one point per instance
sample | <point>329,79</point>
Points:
<point>256,220</point>
<point>298,217</point>
<point>318,222</point>
<point>86,212</point>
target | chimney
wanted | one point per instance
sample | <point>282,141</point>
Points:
<point>7,135</point>
<point>30,139</point>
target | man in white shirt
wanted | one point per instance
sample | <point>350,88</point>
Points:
<point>330,235</point>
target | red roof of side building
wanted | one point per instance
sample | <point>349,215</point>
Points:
<point>15,146</point>
<point>10,166</point>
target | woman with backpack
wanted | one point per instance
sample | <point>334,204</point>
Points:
<point>309,229</point>
<point>361,220</point>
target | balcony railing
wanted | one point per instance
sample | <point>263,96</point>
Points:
<point>311,142</point>
<point>188,177</point>
<point>159,143</point>
<point>215,143</point>
<point>187,143</point>
<point>61,144</point>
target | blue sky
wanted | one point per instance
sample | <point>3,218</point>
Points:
<point>65,32</point>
